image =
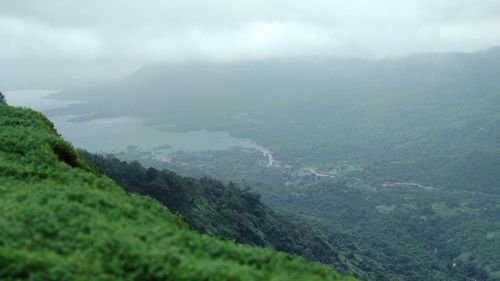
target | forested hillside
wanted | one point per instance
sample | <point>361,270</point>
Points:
<point>397,231</point>
<point>390,160</point>
<point>214,208</point>
<point>61,220</point>
<point>432,119</point>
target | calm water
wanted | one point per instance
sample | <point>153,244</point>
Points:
<point>115,134</point>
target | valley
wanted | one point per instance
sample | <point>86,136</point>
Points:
<point>356,215</point>
<point>393,195</point>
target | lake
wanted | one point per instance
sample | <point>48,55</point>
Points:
<point>116,134</point>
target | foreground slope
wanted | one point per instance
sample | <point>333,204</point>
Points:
<point>61,221</point>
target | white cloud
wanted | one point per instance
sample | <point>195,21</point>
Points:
<point>28,38</point>
<point>172,30</point>
<point>253,40</point>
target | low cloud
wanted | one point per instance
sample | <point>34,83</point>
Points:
<point>253,40</point>
<point>31,39</point>
<point>223,30</point>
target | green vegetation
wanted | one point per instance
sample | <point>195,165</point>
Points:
<point>410,147</point>
<point>62,221</point>
<point>430,118</point>
<point>227,211</point>
<point>412,233</point>
<point>393,231</point>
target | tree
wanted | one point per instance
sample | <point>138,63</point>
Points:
<point>2,98</point>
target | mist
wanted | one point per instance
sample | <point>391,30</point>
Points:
<point>68,34</point>
<point>228,30</point>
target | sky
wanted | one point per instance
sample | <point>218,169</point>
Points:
<point>229,30</point>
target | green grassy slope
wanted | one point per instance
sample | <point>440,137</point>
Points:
<point>61,221</point>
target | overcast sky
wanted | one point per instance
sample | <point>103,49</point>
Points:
<point>229,30</point>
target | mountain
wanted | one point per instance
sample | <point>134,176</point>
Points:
<point>61,220</point>
<point>432,119</point>
<point>394,162</point>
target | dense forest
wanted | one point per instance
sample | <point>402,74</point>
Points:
<point>227,211</point>
<point>61,220</point>
<point>400,231</point>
